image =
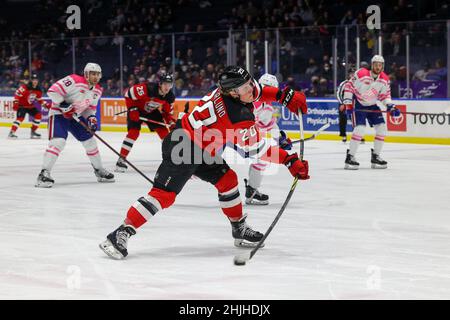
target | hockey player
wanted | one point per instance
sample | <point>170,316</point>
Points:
<point>28,99</point>
<point>366,88</point>
<point>152,101</point>
<point>265,122</point>
<point>74,96</point>
<point>223,115</point>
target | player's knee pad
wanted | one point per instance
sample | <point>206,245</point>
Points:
<point>359,130</point>
<point>227,182</point>
<point>57,145</point>
<point>90,144</point>
<point>164,197</point>
<point>380,129</point>
<point>20,119</point>
<point>133,134</point>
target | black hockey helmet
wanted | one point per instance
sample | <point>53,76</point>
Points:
<point>166,78</point>
<point>34,76</point>
<point>233,77</point>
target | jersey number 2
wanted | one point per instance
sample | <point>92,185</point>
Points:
<point>204,115</point>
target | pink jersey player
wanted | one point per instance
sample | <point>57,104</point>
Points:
<point>73,97</point>
<point>367,88</point>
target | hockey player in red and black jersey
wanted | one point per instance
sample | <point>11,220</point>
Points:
<point>28,99</point>
<point>223,116</point>
<point>149,103</point>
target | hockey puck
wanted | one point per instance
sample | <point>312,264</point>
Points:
<point>239,261</point>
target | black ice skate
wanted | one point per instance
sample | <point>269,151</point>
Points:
<point>350,162</point>
<point>377,162</point>
<point>12,135</point>
<point>254,197</point>
<point>35,135</point>
<point>363,141</point>
<point>44,179</point>
<point>243,235</point>
<point>115,244</point>
<point>104,175</point>
<point>121,166</point>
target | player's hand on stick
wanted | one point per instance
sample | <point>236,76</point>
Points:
<point>67,110</point>
<point>298,168</point>
<point>134,114</point>
<point>15,105</point>
<point>393,111</point>
<point>295,101</point>
<point>92,123</point>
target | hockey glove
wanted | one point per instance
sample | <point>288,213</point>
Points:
<point>393,111</point>
<point>134,114</point>
<point>67,110</point>
<point>92,122</point>
<point>15,105</point>
<point>284,142</point>
<point>298,168</point>
<point>295,101</point>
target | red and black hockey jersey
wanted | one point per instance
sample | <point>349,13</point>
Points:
<point>146,97</point>
<point>28,97</point>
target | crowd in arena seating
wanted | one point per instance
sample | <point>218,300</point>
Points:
<point>143,33</point>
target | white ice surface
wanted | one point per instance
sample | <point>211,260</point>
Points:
<point>367,234</point>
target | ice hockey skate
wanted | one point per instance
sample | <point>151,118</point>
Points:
<point>12,135</point>
<point>121,166</point>
<point>116,242</point>
<point>44,180</point>
<point>104,175</point>
<point>350,162</point>
<point>377,162</point>
<point>35,135</point>
<point>244,236</point>
<point>254,197</point>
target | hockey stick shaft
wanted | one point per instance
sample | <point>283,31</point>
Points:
<point>403,112</point>
<point>288,198</point>
<point>315,134</point>
<point>153,121</point>
<point>111,148</point>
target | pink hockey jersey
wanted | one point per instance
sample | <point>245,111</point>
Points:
<point>74,89</point>
<point>368,90</point>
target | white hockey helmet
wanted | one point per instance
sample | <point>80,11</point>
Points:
<point>268,80</point>
<point>377,58</point>
<point>90,66</point>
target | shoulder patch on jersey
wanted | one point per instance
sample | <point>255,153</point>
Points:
<point>238,112</point>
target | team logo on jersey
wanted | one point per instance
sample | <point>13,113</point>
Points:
<point>151,105</point>
<point>31,98</point>
<point>398,123</point>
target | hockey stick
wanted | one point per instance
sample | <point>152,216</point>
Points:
<point>322,128</point>
<point>155,122</point>
<point>111,148</point>
<point>118,113</point>
<point>242,259</point>
<point>413,113</point>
